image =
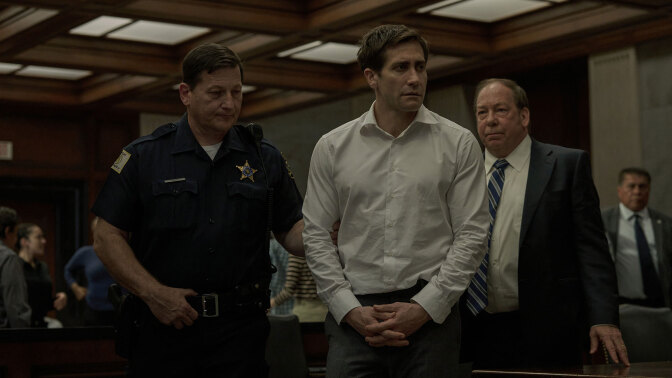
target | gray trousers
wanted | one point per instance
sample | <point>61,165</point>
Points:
<point>433,350</point>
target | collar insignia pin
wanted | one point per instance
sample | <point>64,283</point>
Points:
<point>246,171</point>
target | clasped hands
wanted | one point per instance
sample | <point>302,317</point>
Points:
<point>387,324</point>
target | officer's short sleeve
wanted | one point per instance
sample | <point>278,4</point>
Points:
<point>118,201</point>
<point>287,201</point>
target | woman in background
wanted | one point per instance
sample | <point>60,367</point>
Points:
<point>98,311</point>
<point>30,242</point>
<point>299,284</point>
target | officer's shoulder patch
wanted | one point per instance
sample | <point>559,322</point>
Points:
<point>121,161</point>
<point>289,170</point>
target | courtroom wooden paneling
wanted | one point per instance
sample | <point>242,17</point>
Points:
<point>89,352</point>
<point>62,143</point>
<point>61,158</point>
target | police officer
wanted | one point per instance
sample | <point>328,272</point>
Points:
<point>183,226</point>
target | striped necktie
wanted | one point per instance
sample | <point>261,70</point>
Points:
<point>477,292</point>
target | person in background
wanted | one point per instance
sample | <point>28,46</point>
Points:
<point>407,186</point>
<point>98,311</point>
<point>300,286</point>
<point>30,242</point>
<point>14,309</point>
<point>641,242</point>
<point>279,259</point>
<point>547,285</point>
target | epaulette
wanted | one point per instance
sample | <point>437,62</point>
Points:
<point>156,134</point>
<point>267,142</point>
<point>245,134</point>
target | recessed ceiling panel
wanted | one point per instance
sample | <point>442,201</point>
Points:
<point>6,68</point>
<point>158,32</point>
<point>489,10</point>
<point>297,49</point>
<point>53,73</point>
<point>100,26</point>
<point>330,52</point>
<point>438,5</point>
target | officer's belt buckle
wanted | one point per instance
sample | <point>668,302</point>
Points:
<point>210,305</point>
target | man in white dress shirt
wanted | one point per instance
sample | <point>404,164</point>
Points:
<point>642,280</point>
<point>409,189</point>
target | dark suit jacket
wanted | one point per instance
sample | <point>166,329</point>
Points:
<point>662,230</point>
<point>566,278</point>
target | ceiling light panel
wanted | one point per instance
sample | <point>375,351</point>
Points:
<point>52,73</point>
<point>489,10</point>
<point>100,26</point>
<point>294,50</point>
<point>244,89</point>
<point>158,32</point>
<point>330,52</point>
<point>6,68</point>
<point>438,5</point>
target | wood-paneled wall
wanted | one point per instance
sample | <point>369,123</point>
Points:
<point>61,159</point>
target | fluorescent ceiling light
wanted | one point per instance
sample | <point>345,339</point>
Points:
<point>440,4</point>
<point>53,72</point>
<point>330,52</point>
<point>100,26</point>
<point>245,88</point>
<point>6,68</point>
<point>157,32</point>
<point>489,10</point>
<point>307,46</point>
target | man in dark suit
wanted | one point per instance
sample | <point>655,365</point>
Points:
<point>547,281</point>
<point>644,261</point>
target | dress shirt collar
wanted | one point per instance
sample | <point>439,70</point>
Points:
<point>627,213</point>
<point>517,158</point>
<point>424,116</point>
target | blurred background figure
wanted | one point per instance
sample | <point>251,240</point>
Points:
<point>14,309</point>
<point>30,242</point>
<point>299,284</point>
<point>98,310</point>
<point>640,240</point>
<point>279,259</point>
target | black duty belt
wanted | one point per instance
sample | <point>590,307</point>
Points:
<point>240,299</point>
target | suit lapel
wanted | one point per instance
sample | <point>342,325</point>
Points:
<point>658,235</point>
<point>542,162</point>
<point>663,262</point>
<point>611,227</point>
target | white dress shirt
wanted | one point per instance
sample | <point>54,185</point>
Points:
<point>504,245</point>
<point>628,269</point>
<point>412,207</point>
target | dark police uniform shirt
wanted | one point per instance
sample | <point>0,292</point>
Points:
<point>195,222</point>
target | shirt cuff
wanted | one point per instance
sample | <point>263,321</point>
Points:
<point>434,302</point>
<point>341,303</point>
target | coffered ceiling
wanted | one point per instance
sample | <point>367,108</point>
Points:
<point>285,44</point>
